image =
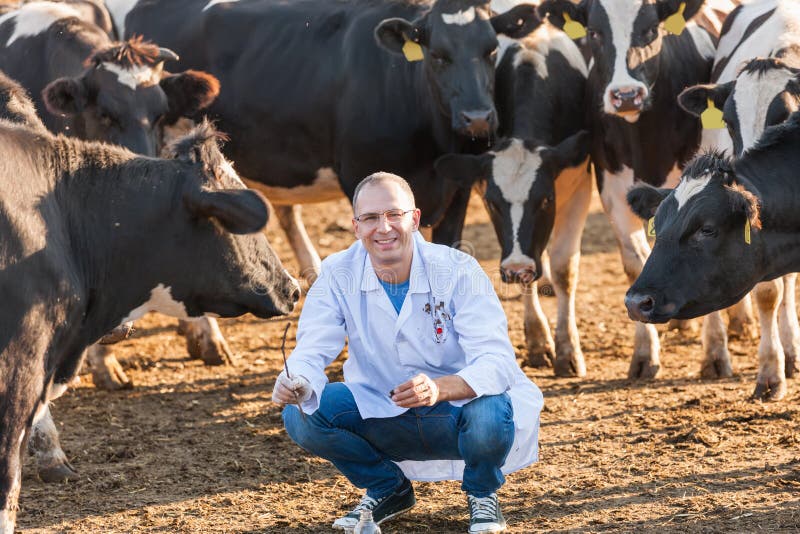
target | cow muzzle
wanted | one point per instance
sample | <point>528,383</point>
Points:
<point>477,123</point>
<point>627,101</point>
<point>519,273</point>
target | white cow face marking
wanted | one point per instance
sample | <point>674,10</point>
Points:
<point>160,301</point>
<point>755,94</point>
<point>215,2</point>
<point>135,76</point>
<point>460,18</point>
<point>34,18</point>
<point>688,188</point>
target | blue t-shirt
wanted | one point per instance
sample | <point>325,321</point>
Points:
<point>396,293</point>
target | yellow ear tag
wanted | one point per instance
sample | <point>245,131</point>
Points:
<point>573,28</point>
<point>413,51</point>
<point>675,23</point>
<point>747,231</point>
<point>712,117</point>
<point>651,227</point>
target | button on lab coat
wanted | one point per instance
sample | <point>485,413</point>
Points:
<point>387,348</point>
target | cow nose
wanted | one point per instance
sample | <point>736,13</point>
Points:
<point>478,123</point>
<point>627,99</point>
<point>295,295</point>
<point>640,307</point>
<point>519,274</point>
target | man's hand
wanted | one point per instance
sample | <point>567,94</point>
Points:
<point>421,390</point>
<point>285,389</point>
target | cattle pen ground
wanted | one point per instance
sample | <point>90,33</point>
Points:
<point>202,449</point>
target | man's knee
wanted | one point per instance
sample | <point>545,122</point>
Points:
<point>337,409</point>
<point>488,423</point>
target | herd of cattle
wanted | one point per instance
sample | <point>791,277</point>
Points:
<point>523,102</point>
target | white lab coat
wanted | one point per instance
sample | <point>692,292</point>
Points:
<point>386,349</point>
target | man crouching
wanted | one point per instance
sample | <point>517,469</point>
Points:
<point>431,388</point>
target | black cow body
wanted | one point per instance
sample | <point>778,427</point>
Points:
<point>536,183</point>
<point>314,104</point>
<point>702,260</point>
<point>639,134</point>
<point>72,216</point>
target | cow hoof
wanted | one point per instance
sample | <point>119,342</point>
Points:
<point>742,330</point>
<point>642,369</point>
<point>110,376</point>
<point>541,356</point>
<point>791,367</point>
<point>716,369</point>
<point>213,351</point>
<point>770,392</point>
<point>568,366</point>
<point>682,325</point>
<point>62,472</point>
<point>120,333</point>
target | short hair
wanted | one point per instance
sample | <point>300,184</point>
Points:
<point>380,177</point>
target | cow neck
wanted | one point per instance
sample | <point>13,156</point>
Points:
<point>118,207</point>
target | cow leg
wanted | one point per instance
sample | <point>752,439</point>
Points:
<point>788,325</point>
<point>717,363</point>
<point>634,248</point>
<point>575,190</point>
<point>742,321</point>
<point>107,373</point>
<point>204,340</point>
<point>541,348</point>
<point>290,218</point>
<point>771,379</point>
<point>44,445</point>
<point>545,282</point>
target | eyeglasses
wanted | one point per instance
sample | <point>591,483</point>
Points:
<point>373,219</point>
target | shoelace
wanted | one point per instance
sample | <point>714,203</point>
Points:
<point>483,507</point>
<point>367,503</point>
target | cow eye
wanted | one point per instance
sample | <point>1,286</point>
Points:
<point>440,58</point>
<point>106,119</point>
<point>593,34</point>
<point>651,33</point>
<point>707,231</point>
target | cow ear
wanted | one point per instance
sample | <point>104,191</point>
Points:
<point>554,10</point>
<point>694,100</point>
<point>188,92</point>
<point>65,96</point>
<point>644,200</point>
<point>392,34</point>
<point>239,211</point>
<point>570,152</point>
<point>517,22</point>
<point>464,169</point>
<point>746,203</point>
<point>667,8</point>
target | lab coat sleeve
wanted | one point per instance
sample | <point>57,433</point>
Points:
<point>482,328</point>
<point>320,336</point>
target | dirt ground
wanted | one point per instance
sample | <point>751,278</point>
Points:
<point>202,449</point>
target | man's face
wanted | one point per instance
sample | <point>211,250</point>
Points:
<point>388,243</point>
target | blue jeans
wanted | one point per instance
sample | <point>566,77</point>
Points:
<point>481,433</point>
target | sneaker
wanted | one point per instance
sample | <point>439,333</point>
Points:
<point>485,515</point>
<point>384,508</point>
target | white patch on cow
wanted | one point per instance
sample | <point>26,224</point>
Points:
<point>542,43</point>
<point>41,412</point>
<point>160,301</point>
<point>504,42</point>
<point>231,173</point>
<point>325,187</point>
<point>753,95</point>
<point>56,390</point>
<point>689,188</point>
<point>459,18</point>
<point>34,18</point>
<point>514,172</point>
<point>119,9</point>
<point>780,30</point>
<point>215,2</point>
<point>501,6</point>
<point>6,524</point>
<point>621,17</point>
<point>702,40</point>
<point>133,77</point>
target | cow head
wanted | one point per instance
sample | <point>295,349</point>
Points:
<point>765,92</point>
<point>701,260</point>
<point>233,268</point>
<point>124,96</point>
<point>626,38</point>
<point>519,193</point>
<point>458,39</point>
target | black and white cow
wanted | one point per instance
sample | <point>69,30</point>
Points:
<point>75,216</point>
<point>88,86</point>
<point>638,131</point>
<point>535,182</point>
<point>317,95</point>
<point>725,228</point>
<point>754,94</point>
